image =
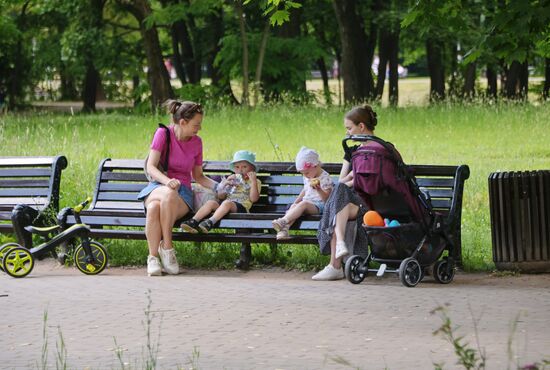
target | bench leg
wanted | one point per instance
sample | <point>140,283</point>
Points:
<point>243,263</point>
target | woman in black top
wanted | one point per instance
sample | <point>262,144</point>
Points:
<point>337,230</point>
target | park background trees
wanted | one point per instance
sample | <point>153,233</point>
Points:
<point>262,51</point>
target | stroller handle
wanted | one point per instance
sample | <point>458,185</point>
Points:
<point>365,138</point>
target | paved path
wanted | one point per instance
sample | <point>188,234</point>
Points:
<point>265,319</point>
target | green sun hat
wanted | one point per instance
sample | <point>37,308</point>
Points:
<point>243,155</point>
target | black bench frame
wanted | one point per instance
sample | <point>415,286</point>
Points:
<point>118,182</point>
<point>32,181</point>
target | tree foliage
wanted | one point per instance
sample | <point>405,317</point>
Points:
<point>73,49</point>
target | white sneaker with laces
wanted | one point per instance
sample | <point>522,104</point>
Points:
<point>341,249</point>
<point>169,260</point>
<point>153,266</point>
<point>329,273</point>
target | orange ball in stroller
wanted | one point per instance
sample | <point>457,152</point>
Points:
<point>373,218</point>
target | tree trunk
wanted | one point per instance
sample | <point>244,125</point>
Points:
<point>324,75</point>
<point>512,80</point>
<point>393,46</point>
<point>492,90</point>
<point>92,78</point>
<point>356,64</point>
<point>178,59</point>
<point>383,57</point>
<point>434,52</point>
<point>135,86</point>
<point>89,88</point>
<point>67,84</point>
<point>546,87</point>
<point>523,81</point>
<point>260,64</point>
<point>244,43</point>
<point>217,79</point>
<point>14,85</point>
<point>468,91</point>
<point>157,75</point>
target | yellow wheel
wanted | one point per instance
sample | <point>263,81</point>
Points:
<point>18,262</point>
<point>4,248</point>
<point>99,255</point>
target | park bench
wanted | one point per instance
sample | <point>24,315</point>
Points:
<point>116,213</point>
<point>33,181</point>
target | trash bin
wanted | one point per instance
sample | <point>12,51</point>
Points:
<point>520,220</point>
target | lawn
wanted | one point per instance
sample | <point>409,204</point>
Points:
<point>488,138</point>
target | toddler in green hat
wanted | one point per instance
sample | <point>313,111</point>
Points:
<point>237,193</point>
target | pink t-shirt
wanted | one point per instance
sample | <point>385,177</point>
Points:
<point>184,155</point>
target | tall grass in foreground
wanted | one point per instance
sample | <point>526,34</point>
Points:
<point>487,138</point>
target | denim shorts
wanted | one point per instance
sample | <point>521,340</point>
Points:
<point>320,205</point>
<point>185,193</point>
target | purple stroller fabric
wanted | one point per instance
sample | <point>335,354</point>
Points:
<point>375,169</point>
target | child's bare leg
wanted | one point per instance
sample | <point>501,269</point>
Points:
<point>206,209</point>
<point>226,207</point>
<point>297,210</point>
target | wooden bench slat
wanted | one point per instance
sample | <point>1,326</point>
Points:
<point>10,201</point>
<point>24,192</point>
<point>24,183</point>
<point>28,172</point>
<point>435,182</point>
<point>119,205</point>
<point>440,193</point>
<point>121,176</point>
<point>26,161</point>
<point>122,187</point>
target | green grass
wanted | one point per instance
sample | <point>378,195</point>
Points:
<point>488,138</point>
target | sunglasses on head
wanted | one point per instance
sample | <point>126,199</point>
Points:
<point>185,110</point>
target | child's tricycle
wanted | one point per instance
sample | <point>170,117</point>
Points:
<point>90,257</point>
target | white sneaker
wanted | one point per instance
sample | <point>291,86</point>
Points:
<point>153,266</point>
<point>341,249</point>
<point>329,273</point>
<point>169,260</point>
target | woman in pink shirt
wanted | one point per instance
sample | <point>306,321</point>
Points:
<point>169,196</point>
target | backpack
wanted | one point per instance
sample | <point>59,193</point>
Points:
<point>162,165</point>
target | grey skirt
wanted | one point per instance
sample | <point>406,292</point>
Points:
<point>355,237</point>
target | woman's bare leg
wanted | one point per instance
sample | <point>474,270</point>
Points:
<point>172,207</point>
<point>349,212</point>
<point>164,207</point>
<point>153,233</point>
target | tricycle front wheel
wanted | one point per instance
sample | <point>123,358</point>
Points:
<point>96,264</point>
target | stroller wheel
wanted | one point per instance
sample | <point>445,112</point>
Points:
<point>410,272</point>
<point>441,275</point>
<point>355,273</point>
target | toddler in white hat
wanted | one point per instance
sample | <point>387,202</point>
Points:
<point>312,198</point>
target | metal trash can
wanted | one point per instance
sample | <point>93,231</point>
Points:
<point>520,220</point>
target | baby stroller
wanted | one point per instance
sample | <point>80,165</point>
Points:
<point>386,185</point>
